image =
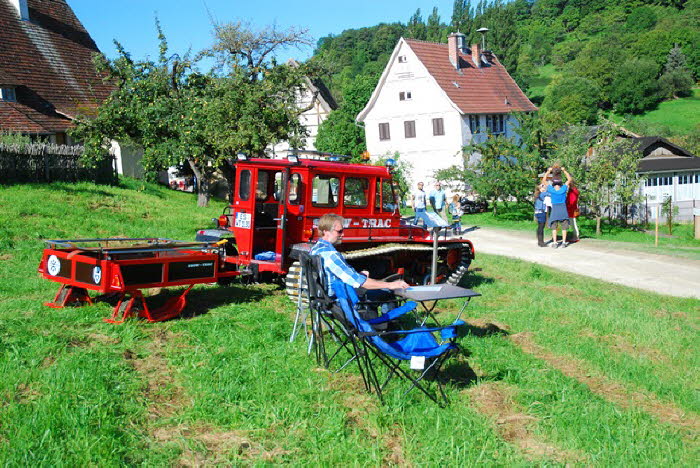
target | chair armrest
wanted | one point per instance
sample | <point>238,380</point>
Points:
<point>413,330</point>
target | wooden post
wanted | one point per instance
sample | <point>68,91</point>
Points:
<point>656,230</point>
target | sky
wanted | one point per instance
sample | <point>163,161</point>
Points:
<point>187,23</point>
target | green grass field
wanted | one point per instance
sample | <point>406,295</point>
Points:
<point>680,116</point>
<point>557,369</point>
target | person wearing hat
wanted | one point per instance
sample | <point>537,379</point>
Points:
<point>559,217</point>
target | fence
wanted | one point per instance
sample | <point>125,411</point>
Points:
<point>40,162</point>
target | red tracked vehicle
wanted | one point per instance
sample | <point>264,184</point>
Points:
<point>276,204</point>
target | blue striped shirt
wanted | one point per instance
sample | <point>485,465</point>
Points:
<point>336,267</point>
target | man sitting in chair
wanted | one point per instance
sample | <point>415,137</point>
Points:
<point>335,267</point>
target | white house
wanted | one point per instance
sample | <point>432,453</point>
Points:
<point>670,171</point>
<point>432,99</point>
<point>318,103</point>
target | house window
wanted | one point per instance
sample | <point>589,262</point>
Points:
<point>474,124</point>
<point>438,127</point>
<point>402,59</point>
<point>384,131</point>
<point>8,94</point>
<point>409,128</point>
<point>495,123</point>
<point>405,96</point>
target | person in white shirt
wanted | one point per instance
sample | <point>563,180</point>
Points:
<point>419,200</point>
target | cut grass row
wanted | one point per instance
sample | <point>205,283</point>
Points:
<point>225,386</point>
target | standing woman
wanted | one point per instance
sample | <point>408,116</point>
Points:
<point>572,207</point>
<point>455,209</point>
<point>540,212</point>
<point>559,216</point>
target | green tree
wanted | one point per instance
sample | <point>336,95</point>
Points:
<point>572,99</point>
<point>339,133</point>
<point>641,19</point>
<point>178,115</point>
<point>400,171</point>
<point>416,27</point>
<point>503,170</point>
<point>611,174</point>
<point>677,80</point>
<point>434,28</point>
<point>462,16</point>
<point>635,87</point>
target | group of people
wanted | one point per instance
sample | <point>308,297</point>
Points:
<point>438,202</point>
<point>556,204</point>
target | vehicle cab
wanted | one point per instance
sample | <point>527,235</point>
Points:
<point>277,203</point>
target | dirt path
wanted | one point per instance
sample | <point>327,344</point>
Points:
<point>606,261</point>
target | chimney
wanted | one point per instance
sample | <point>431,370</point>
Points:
<point>476,55</point>
<point>22,9</point>
<point>455,42</point>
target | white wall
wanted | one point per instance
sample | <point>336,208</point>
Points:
<point>425,152</point>
<point>685,196</point>
<point>128,159</point>
<point>311,119</point>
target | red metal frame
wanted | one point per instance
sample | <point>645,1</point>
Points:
<point>125,270</point>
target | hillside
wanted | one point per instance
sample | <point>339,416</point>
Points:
<point>625,57</point>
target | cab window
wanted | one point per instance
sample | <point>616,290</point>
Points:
<point>385,200</point>
<point>356,192</point>
<point>244,185</point>
<point>294,195</point>
<point>261,189</point>
<point>388,196</point>
<point>325,191</point>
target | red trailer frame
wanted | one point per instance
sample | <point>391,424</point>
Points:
<point>124,266</point>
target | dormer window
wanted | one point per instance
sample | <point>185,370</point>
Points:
<point>402,59</point>
<point>8,95</point>
<point>405,96</point>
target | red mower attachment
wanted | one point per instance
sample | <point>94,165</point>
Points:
<point>122,267</point>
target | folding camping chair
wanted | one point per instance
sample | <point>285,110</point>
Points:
<point>329,321</point>
<point>417,346</point>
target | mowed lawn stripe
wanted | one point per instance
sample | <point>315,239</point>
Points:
<point>566,312</point>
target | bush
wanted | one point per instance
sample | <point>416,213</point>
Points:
<point>635,88</point>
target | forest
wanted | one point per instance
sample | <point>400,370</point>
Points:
<point>580,61</point>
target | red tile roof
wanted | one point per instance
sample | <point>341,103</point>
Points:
<point>485,90</point>
<point>49,59</point>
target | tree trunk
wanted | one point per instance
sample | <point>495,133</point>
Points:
<point>203,184</point>
<point>597,224</point>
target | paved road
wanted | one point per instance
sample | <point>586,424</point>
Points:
<point>603,260</point>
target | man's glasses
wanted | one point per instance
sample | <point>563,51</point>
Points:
<point>339,231</point>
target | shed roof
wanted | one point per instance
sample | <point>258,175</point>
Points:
<point>49,60</point>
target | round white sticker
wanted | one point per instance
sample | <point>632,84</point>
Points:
<point>53,265</point>
<point>97,275</point>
